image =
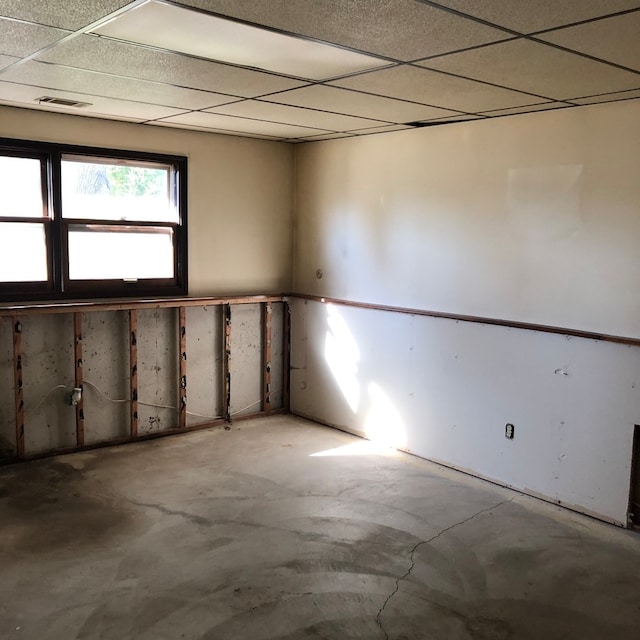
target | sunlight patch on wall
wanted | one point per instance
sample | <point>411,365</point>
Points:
<point>383,425</point>
<point>342,355</point>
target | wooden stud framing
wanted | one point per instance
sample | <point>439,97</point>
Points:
<point>266,356</point>
<point>15,315</point>
<point>18,385</point>
<point>163,303</point>
<point>77,353</point>
<point>286,347</point>
<point>226,358</point>
<point>182,330</point>
<point>133,371</point>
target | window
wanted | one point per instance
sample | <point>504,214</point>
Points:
<point>77,222</point>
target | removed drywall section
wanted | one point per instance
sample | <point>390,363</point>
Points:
<point>239,195</point>
<point>48,377</point>
<point>105,337</point>
<point>445,390</point>
<point>7,403</point>
<point>277,354</point>
<point>533,218</point>
<point>157,370</point>
<point>204,364</point>
<point>246,359</point>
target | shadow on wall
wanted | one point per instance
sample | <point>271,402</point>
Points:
<point>369,402</point>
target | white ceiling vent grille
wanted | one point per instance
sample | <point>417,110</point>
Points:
<point>63,102</point>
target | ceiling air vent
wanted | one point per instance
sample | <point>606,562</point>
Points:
<point>62,102</point>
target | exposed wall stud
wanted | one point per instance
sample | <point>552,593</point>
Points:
<point>286,365</point>
<point>226,361</point>
<point>182,329</point>
<point>16,314</point>
<point>266,356</point>
<point>77,352</point>
<point>18,385</point>
<point>133,371</point>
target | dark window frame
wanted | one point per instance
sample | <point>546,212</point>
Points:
<point>59,286</point>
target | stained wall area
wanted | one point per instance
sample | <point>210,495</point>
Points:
<point>526,219</point>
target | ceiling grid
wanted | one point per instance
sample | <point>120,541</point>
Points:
<point>304,70</point>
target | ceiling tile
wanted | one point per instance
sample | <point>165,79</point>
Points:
<point>324,136</point>
<point>536,68</point>
<point>459,118</point>
<point>609,97</point>
<point>527,17</point>
<point>192,32</point>
<point>612,39</point>
<point>357,104</point>
<point>226,132</point>
<point>230,123</point>
<point>26,96</point>
<point>545,106</point>
<point>402,29</point>
<point>5,61</point>
<point>22,39</point>
<point>293,115</point>
<point>91,82</point>
<point>386,129</point>
<point>60,13</point>
<point>109,56</point>
<point>437,89</point>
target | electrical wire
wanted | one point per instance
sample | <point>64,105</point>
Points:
<point>46,395</point>
<point>166,406</point>
<point>146,404</point>
<point>102,395</point>
<point>253,404</point>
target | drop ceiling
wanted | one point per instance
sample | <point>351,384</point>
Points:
<point>303,70</point>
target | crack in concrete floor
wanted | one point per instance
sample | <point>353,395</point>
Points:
<point>412,553</point>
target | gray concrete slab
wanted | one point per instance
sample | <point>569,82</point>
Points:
<point>246,534</point>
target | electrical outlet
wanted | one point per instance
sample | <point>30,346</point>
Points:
<point>509,431</point>
<point>75,396</point>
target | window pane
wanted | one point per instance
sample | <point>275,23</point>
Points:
<point>101,191</point>
<point>21,187</point>
<point>98,252</point>
<point>23,252</point>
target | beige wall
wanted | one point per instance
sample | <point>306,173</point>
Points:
<point>240,195</point>
<point>533,218</point>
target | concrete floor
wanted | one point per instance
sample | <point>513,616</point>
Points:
<point>243,534</point>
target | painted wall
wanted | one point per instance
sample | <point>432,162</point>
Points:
<point>445,390</point>
<point>240,195</point>
<point>532,218</point>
